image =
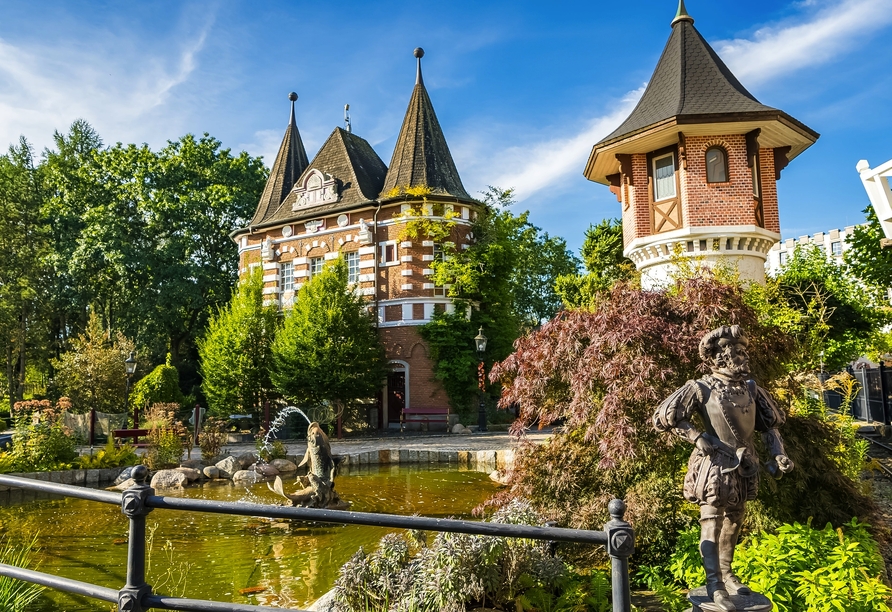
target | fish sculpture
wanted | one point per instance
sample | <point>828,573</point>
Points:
<point>318,485</point>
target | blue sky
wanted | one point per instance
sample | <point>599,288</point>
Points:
<point>522,89</point>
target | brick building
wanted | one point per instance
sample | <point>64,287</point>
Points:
<point>347,203</point>
<point>695,164</point>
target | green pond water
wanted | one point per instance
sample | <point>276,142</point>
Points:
<point>210,556</point>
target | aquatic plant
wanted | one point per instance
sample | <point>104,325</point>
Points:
<point>17,595</point>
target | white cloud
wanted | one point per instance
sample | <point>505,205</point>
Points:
<point>119,88</point>
<point>774,51</point>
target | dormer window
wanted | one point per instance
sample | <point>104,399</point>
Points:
<point>664,177</point>
<point>716,165</point>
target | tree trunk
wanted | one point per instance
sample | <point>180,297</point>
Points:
<point>23,330</point>
<point>10,379</point>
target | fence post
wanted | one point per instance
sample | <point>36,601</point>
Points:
<point>882,370</point>
<point>92,427</point>
<point>620,546</point>
<point>133,505</point>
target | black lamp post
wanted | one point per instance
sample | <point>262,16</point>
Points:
<point>130,368</point>
<point>480,341</point>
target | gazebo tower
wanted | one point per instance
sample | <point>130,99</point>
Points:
<point>696,163</point>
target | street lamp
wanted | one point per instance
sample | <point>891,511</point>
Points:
<point>480,341</point>
<point>130,368</point>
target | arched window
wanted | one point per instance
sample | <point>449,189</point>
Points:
<point>716,165</point>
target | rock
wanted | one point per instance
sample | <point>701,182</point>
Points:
<point>246,460</point>
<point>228,467</point>
<point>283,465</point>
<point>122,486</point>
<point>326,603</point>
<point>169,479</point>
<point>466,431</point>
<point>265,469</point>
<point>211,471</point>
<point>195,464</point>
<point>500,478</point>
<point>458,428</point>
<point>246,477</point>
<point>124,475</point>
<point>191,474</point>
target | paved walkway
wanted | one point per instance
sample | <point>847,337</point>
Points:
<point>497,440</point>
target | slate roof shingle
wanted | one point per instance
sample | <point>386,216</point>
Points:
<point>690,79</point>
<point>291,161</point>
<point>421,156</point>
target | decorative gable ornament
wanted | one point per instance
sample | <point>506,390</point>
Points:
<point>317,188</point>
<point>365,233</point>
<point>266,249</point>
<point>314,226</point>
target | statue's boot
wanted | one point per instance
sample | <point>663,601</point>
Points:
<point>727,543</point>
<point>710,532</point>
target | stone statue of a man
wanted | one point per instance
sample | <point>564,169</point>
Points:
<point>723,471</point>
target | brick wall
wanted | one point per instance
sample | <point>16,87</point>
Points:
<point>405,344</point>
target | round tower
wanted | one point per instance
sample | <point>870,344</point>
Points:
<point>695,164</point>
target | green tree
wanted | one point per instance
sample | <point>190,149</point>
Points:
<point>160,386</point>
<point>508,275</point>
<point>842,316</point>
<point>92,373</point>
<point>605,264</point>
<point>865,258</point>
<point>23,272</point>
<point>235,353</point>
<point>328,349</point>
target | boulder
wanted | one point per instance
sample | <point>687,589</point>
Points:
<point>283,465</point>
<point>169,479</point>
<point>245,477</point>
<point>191,474</point>
<point>212,471</point>
<point>458,428</point>
<point>228,467</point>
<point>195,464</point>
<point>122,486</point>
<point>265,469</point>
<point>124,475</point>
<point>326,603</point>
<point>246,460</point>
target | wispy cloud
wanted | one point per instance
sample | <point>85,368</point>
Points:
<point>778,50</point>
<point>112,84</point>
<point>773,51</point>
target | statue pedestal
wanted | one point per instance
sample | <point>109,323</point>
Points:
<point>744,603</point>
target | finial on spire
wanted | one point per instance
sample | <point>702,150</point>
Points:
<point>682,14</point>
<point>293,97</point>
<point>419,53</point>
<point>347,125</point>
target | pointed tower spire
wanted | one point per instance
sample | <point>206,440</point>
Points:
<point>421,156</point>
<point>290,163</point>
<point>682,14</point>
<point>419,53</point>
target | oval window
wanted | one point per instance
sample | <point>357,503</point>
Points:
<point>716,165</point>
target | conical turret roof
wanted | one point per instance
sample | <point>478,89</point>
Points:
<point>421,156</point>
<point>290,163</point>
<point>690,80</point>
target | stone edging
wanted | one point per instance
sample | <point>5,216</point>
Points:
<point>81,478</point>
<point>497,459</point>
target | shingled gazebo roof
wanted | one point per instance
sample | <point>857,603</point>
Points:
<point>291,161</point>
<point>421,156</point>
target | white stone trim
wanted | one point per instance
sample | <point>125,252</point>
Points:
<point>427,243</point>
<point>368,291</point>
<point>406,245</point>
<point>406,287</point>
<point>300,261</point>
<point>367,250</point>
<point>405,272</point>
<point>405,258</point>
<point>408,312</point>
<point>427,258</point>
<point>270,290</point>
<point>330,256</point>
<point>428,286</point>
<point>301,273</point>
<point>428,311</point>
<point>271,265</point>
<point>366,263</point>
<point>427,272</point>
<point>366,278</point>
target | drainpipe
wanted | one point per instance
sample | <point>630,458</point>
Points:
<point>375,244</point>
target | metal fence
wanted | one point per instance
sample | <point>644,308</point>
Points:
<point>137,596</point>
<point>873,401</point>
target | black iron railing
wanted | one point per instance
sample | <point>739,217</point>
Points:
<point>137,596</point>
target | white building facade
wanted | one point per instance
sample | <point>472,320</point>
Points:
<point>833,243</point>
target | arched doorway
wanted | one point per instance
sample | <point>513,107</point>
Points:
<point>397,392</point>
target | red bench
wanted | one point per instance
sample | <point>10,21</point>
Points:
<point>134,434</point>
<point>424,416</point>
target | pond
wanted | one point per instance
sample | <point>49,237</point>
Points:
<point>231,558</point>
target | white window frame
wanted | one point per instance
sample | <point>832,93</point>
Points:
<point>352,260</point>
<point>836,248</point>
<point>382,253</point>
<point>315,265</point>
<point>653,162</point>
<point>286,275</point>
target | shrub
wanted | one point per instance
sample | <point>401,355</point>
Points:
<point>212,438</point>
<point>160,386</point>
<point>822,570</point>
<point>460,570</point>
<point>110,457</point>
<point>41,442</point>
<point>17,595</point>
<point>167,437</point>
